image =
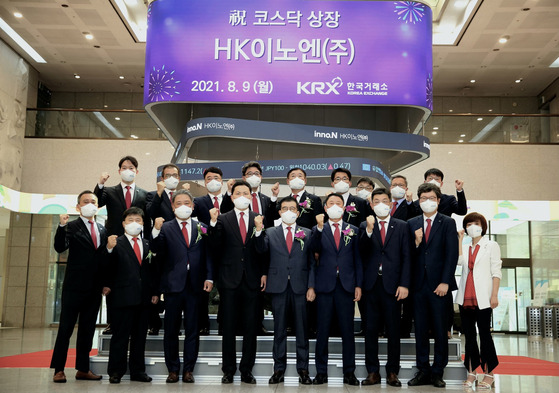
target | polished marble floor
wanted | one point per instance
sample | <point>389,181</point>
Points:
<point>31,380</point>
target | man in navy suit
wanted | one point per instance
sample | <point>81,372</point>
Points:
<point>241,276</point>
<point>385,250</point>
<point>131,284</point>
<point>181,244</point>
<point>338,280</point>
<point>260,203</point>
<point>434,261</point>
<point>214,198</point>
<point>356,209</point>
<point>81,290</point>
<point>290,284</point>
<point>310,204</point>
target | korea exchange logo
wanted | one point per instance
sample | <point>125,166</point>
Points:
<point>322,88</point>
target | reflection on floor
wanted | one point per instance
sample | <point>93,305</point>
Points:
<point>30,380</point>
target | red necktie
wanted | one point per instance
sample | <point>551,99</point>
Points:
<point>243,227</point>
<point>171,196</point>
<point>128,197</point>
<point>216,203</point>
<point>296,196</point>
<point>428,230</point>
<point>93,234</point>
<point>382,232</point>
<point>289,239</point>
<point>137,250</point>
<point>394,206</point>
<point>255,204</point>
<point>337,235</point>
<point>185,233</point>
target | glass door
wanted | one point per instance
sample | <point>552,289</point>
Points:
<point>514,296</point>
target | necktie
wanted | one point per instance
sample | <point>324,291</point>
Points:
<point>394,206</point>
<point>255,204</point>
<point>93,234</point>
<point>337,235</point>
<point>243,227</point>
<point>382,231</point>
<point>289,239</point>
<point>428,230</point>
<point>137,250</point>
<point>185,234</point>
<point>128,197</point>
<point>296,196</point>
<point>216,203</point>
<point>171,196</point>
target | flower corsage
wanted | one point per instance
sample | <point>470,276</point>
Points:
<point>348,233</point>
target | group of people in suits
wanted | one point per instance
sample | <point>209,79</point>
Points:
<point>300,250</point>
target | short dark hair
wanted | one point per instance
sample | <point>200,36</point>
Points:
<point>182,192</point>
<point>428,187</point>
<point>366,180</point>
<point>239,183</point>
<point>433,171</point>
<point>133,211</point>
<point>128,158</point>
<point>381,191</point>
<point>288,199</point>
<point>296,169</point>
<point>249,165</point>
<point>399,177</point>
<point>334,194</point>
<point>343,170</point>
<point>213,169</point>
<point>474,216</point>
<point>167,166</point>
<point>85,192</point>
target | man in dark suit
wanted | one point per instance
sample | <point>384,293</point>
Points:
<point>290,284</point>
<point>385,250</point>
<point>131,285</point>
<point>364,188</point>
<point>338,280</point>
<point>81,290</point>
<point>260,203</point>
<point>356,209</point>
<point>214,198</point>
<point>310,204</point>
<point>434,261</point>
<point>241,276</point>
<point>117,199</point>
<point>181,244</point>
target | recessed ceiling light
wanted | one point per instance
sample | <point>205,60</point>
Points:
<point>504,39</point>
<point>121,77</point>
<point>472,81</point>
<point>77,76</point>
<point>147,154</point>
<point>435,128</point>
<point>460,140</point>
<point>133,136</point>
<point>434,133</point>
<point>479,118</point>
<point>451,110</point>
<point>490,110</point>
<point>18,14</point>
<point>105,106</point>
<point>555,63</point>
<point>89,36</point>
<point>117,118</point>
<point>518,80</point>
<point>462,135</point>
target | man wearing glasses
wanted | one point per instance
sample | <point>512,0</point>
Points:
<point>356,209</point>
<point>260,203</point>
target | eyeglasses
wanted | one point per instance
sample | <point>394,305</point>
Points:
<point>368,188</point>
<point>169,175</point>
<point>423,199</point>
<point>291,209</point>
<point>337,179</point>
<point>256,173</point>
<point>399,185</point>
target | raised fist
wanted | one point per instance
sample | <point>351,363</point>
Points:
<point>213,214</point>
<point>370,223</point>
<point>320,220</point>
<point>158,223</point>
<point>111,242</point>
<point>459,184</point>
<point>258,222</point>
<point>276,189</point>
<point>64,219</point>
<point>104,177</point>
<point>230,183</point>
<point>409,196</point>
<point>160,187</point>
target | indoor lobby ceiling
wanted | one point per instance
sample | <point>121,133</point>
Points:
<point>113,60</point>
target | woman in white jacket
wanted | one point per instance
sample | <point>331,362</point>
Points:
<point>478,296</point>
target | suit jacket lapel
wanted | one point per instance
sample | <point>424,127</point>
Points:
<point>389,230</point>
<point>231,219</point>
<point>120,195</point>
<point>193,232</point>
<point>376,234</point>
<point>86,232</point>
<point>177,228</point>
<point>130,250</point>
<point>330,235</point>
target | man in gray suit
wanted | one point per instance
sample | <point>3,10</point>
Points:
<point>289,283</point>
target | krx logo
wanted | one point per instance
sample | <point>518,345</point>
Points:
<point>319,87</point>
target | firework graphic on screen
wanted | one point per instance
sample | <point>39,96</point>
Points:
<point>409,11</point>
<point>162,84</point>
<point>429,91</point>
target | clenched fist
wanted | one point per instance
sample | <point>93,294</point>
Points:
<point>160,187</point>
<point>258,222</point>
<point>276,189</point>
<point>459,185</point>
<point>418,236</point>
<point>213,214</point>
<point>104,177</point>
<point>158,223</point>
<point>370,223</point>
<point>64,219</point>
<point>230,183</point>
<point>409,196</point>
<point>111,242</point>
<point>320,220</point>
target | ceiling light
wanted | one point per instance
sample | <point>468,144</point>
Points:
<point>434,133</point>
<point>479,118</point>
<point>121,77</point>
<point>555,64</point>
<point>460,140</point>
<point>18,14</point>
<point>117,118</point>
<point>89,36</point>
<point>504,39</point>
<point>450,110</point>
<point>472,81</point>
<point>518,80</point>
<point>435,128</point>
<point>105,106</point>
<point>462,135</point>
<point>21,42</point>
<point>77,76</point>
<point>133,136</point>
<point>490,110</point>
<point>460,4</point>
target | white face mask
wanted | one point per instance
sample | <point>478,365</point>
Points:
<point>364,194</point>
<point>213,185</point>
<point>341,187</point>
<point>254,181</point>
<point>428,206</point>
<point>335,212</point>
<point>433,181</point>
<point>133,228</point>
<point>171,183</point>
<point>88,210</point>
<point>289,217</point>
<point>474,231</point>
<point>241,202</point>
<point>127,175</point>
<point>382,210</point>
<point>398,192</point>
<point>296,183</point>
<point>183,212</point>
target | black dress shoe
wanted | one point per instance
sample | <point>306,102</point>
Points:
<point>320,379</point>
<point>420,379</point>
<point>372,379</point>
<point>140,377</point>
<point>227,378</point>
<point>173,377</point>
<point>187,377</point>
<point>438,381</point>
<point>153,332</point>
<point>115,378</point>
<point>248,378</point>
<point>349,379</point>
<point>392,380</point>
<point>107,330</point>
<point>277,377</point>
<point>304,377</point>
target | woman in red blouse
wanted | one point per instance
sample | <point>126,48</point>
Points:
<point>478,296</point>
